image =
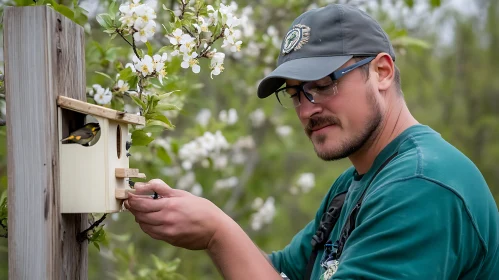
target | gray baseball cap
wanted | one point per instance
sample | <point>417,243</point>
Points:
<point>321,40</point>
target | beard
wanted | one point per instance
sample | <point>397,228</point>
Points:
<point>354,143</point>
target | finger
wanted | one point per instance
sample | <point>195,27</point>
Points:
<point>151,218</point>
<point>159,187</point>
<point>144,204</point>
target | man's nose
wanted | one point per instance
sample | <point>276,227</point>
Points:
<point>307,108</point>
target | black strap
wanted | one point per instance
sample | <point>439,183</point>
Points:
<point>328,220</point>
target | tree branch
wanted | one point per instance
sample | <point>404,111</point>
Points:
<point>131,44</point>
<point>182,9</point>
<point>205,51</point>
<point>82,236</point>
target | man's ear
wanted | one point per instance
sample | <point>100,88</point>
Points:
<point>385,69</point>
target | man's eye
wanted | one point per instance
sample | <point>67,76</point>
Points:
<point>322,88</point>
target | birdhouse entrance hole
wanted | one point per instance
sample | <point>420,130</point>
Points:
<point>118,140</point>
<point>72,121</point>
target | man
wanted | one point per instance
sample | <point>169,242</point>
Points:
<point>416,208</point>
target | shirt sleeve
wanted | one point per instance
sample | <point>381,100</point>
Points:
<point>410,229</point>
<point>292,260</point>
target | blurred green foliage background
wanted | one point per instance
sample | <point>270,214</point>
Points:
<point>448,55</point>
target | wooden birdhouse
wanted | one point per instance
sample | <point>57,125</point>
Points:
<point>94,178</point>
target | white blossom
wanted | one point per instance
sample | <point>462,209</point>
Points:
<point>138,19</point>
<point>122,86</point>
<point>176,35</point>
<point>187,43</point>
<point>227,183</point>
<point>220,162</point>
<point>217,63</point>
<point>187,181</point>
<point>102,96</point>
<point>257,117</point>
<point>244,142</point>
<point>203,117</point>
<point>257,203</point>
<point>264,215</point>
<point>145,33</point>
<point>208,145</point>
<point>284,130</point>
<point>171,171</point>
<point>306,181</point>
<point>3,108</point>
<point>191,61</point>
<point>187,165</point>
<point>202,25</point>
<point>228,117</point>
<point>131,67</point>
<point>145,65</point>
<point>197,190</point>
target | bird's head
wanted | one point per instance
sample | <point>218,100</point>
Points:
<point>94,127</point>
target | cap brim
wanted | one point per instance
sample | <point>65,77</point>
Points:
<point>302,69</point>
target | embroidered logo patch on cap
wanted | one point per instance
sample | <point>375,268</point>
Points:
<point>296,38</point>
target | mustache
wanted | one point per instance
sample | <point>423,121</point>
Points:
<point>316,122</point>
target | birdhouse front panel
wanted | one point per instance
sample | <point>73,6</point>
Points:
<point>84,174</point>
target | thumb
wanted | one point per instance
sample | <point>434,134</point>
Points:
<point>157,186</point>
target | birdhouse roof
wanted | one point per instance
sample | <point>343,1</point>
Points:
<point>96,110</point>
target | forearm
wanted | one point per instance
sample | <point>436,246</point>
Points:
<point>237,257</point>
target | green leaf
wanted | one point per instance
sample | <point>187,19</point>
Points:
<point>407,41</point>
<point>162,118</point>
<point>409,3</point>
<point>149,48</point>
<point>104,20</point>
<point>435,3</point>
<point>164,156</point>
<point>171,13</point>
<point>96,245</point>
<point>164,49</point>
<point>175,146</point>
<point>167,107</point>
<point>172,265</point>
<point>24,2</point>
<point>152,123</point>
<point>105,75</point>
<point>140,138</point>
<point>113,10</point>
<point>67,12</point>
<point>138,101</point>
<point>157,262</point>
<point>126,74</point>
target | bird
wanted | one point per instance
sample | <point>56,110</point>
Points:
<point>83,135</point>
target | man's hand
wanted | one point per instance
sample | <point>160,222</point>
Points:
<point>179,218</point>
<point>194,223</point>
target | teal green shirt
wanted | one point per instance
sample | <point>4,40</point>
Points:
<point>428,214</point>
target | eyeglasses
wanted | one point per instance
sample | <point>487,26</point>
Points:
<point>317,91</point>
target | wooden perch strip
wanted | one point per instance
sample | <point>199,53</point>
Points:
<point>128,173</point>
<point>96,110</point>
<point>123,193</point>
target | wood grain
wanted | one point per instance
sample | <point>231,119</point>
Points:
<point>44,58</point>
<point>96,110</point>
<point>123,193</point>
<point>129,173</point>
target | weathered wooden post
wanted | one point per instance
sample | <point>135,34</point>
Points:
<point>44,57</point>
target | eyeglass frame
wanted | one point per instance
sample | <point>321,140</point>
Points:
<point>335,75</point>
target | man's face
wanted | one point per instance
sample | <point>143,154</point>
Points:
<point>342,124</point>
